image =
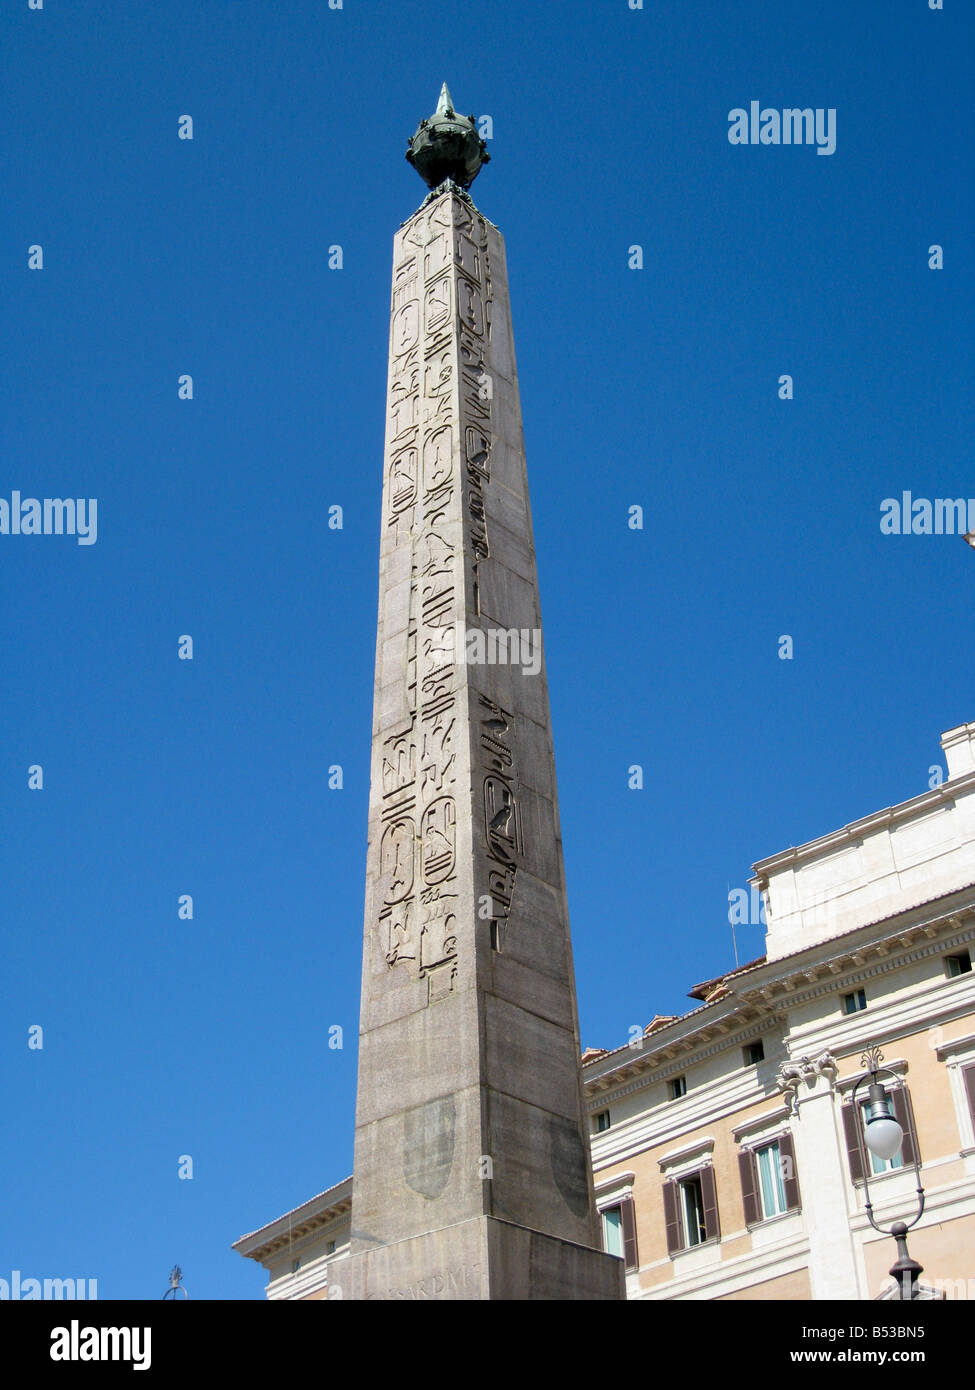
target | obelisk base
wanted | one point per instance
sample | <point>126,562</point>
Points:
<point>482,1258</point>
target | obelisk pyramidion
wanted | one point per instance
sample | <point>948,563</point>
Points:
<point>472,1177</point>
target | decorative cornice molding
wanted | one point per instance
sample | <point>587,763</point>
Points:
<point>962,1044</point>
<point>700,1147</point>
<point>941,797</point>
<point>758,1124</point>
<point>747,1032</point>
<point>831,971</point>
<point>857,970</point>
<point>615,1186</point>
<point>289,1237</point>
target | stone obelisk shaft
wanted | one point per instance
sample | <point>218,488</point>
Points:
<point>472,1175</point>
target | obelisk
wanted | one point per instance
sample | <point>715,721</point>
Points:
<point>472,1177</point>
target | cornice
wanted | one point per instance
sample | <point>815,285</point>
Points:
<point>755,997</point>
<point>945,795</point>
<point>704,1145</point>
<point>830,973</point>
<point>759,1123</point>
<point>295,1226</point>
<point>609,1187</point>
<point>946,1049</point>
<point>675,1057</point>
<point>887,1021</point>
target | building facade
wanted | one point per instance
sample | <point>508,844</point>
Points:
<point>727,1153</point>
<point>728,1156</point>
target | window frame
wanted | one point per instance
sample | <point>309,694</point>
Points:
<point>751,1187</point>
<point>962,970</point>
<point>628,1252</point>
<point>856,995</point>
<point>675,1211</point>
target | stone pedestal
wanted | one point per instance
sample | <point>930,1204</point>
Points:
<point>480,1259</point>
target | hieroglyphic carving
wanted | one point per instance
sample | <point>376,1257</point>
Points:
<point>396,859</point>
<point>503,829</point>
<point>438,840</point>
<point>440,329</point>
<point>437,291</point>
<point>473,294</point>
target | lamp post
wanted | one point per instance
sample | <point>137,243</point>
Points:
<point>175,1284</point>
<point>883,1136</point>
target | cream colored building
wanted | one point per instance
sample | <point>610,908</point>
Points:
<point>727,1156</point>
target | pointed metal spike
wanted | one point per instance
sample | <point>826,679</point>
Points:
<point>446,102</point>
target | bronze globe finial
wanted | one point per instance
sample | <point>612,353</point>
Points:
<point>447,146</point>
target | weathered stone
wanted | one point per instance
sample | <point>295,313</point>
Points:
<point>472,1175</point>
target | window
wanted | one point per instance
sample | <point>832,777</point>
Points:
<point>330,1248</point>
<point>754,1053</point>
<point>613,1231</point>
<point>691,1211</point>
<point>856,1149</point>
<point>619,1232</point>
<point>770,1185</point>
<point>958,965</point>
<point>677,1087</point>
<point>601,1121</point>
<point>853,1003</point>
<point>768,1180</point>
<point>968,1077</point>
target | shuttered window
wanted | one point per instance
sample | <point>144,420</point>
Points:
<point>769,1183</point>
<point>790,1178</point>
<point>619,1231</point>
<point>675,1239</point>
<point>749,1186</point>
<point>612,1231</point>
<point>712,1229</point>
<point>631,1258</point>
<point>856,1150</point>
<point>691,1211</point>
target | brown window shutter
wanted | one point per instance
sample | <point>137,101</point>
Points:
<point>904,1115</point>
<point>712,1227</point>
<point>968,1074</point>
<point>854,1143</point>
<point>628,1216</point>
<point>672,1218</point>
<point>749,1186</point>
<point>790,1180</point>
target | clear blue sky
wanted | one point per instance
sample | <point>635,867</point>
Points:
<point>656,387</point>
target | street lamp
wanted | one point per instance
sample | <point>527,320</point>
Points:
<point>175,1284</point>
<point>883,1136</point>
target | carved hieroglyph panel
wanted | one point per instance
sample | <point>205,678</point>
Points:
<point>440,290</point>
